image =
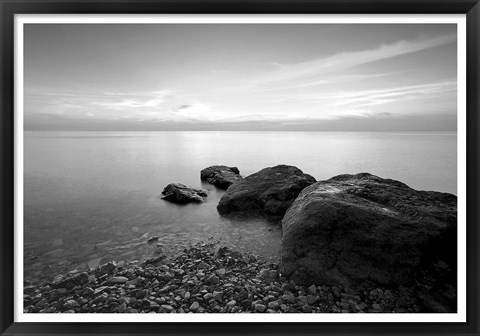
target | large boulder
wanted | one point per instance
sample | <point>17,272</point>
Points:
<point>353,230</point>
<point>180,193</point>
<point>221,176</point>
<point>270,191</point>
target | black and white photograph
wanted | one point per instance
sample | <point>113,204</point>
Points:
<point>283,169</point>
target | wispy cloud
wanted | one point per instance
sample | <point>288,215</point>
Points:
<point>383,96</point>
<point>332,79</point>
<point>341,97</point>
<point>346,60</point>
<point>107,105</point>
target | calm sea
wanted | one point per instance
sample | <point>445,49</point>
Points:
<point>90,197</point>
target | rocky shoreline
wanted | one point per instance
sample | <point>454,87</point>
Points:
<point>205,278</point>
<point>353,244</point>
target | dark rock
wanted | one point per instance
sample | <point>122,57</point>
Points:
<point>246,304</point>
<point>221,176</point>
<point>29,289</point>
<point>100,299</point>
<point>267,275</point>
<point>180,193</point>
<point>70,304</point>
<point>155,260</point>
<point>270,191</point>
<point>87,292</point>
<point>107,268</point>
<point>70,282</point>
<point>221,252</point>
<point>203,265</point>
<point>354,229</point>
<point>217,296</point>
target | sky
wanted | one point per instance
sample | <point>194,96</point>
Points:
<point>315,77</point>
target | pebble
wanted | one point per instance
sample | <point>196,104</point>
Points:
<point>203,265</point>
<point>260,308</point>
<point>212,280</point>
<point>311,299</point>
<point>273,305</point>
<point>376,308</point>
<point>117,280</point>
<point>194,306</point>
<point>166,308</point>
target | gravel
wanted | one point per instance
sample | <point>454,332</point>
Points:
<point>204,278</point>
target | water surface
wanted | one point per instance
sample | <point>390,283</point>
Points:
<point>90,196</point>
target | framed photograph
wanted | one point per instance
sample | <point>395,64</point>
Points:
<point>239,167</point>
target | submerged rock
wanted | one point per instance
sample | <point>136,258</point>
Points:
<point>71,281</point>
<point>152,239</point>
<point>180,193</point>
<point>221,176</point>
<point>270,191</point>
<point>354,229</point>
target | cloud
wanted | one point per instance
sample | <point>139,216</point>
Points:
<point>106,105</point>
<point>347,60</point>
<point>194,111</point>
<point>354,96</point>
<point>332,79</point>
<point>181,107</point>
<point>383,96</point>
<point>139,100</point>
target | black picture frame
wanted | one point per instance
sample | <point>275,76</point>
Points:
<point>8,9</point>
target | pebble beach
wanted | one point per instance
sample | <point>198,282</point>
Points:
<point>204,278</point>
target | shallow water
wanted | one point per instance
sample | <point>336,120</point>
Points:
<point>94,196</point>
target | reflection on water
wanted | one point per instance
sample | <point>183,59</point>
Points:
<point>94,197</point>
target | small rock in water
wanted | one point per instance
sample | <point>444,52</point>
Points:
<point>221,176</point>
<point>180,193</point>
<point>221,252</point>
<point>152,239</point>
